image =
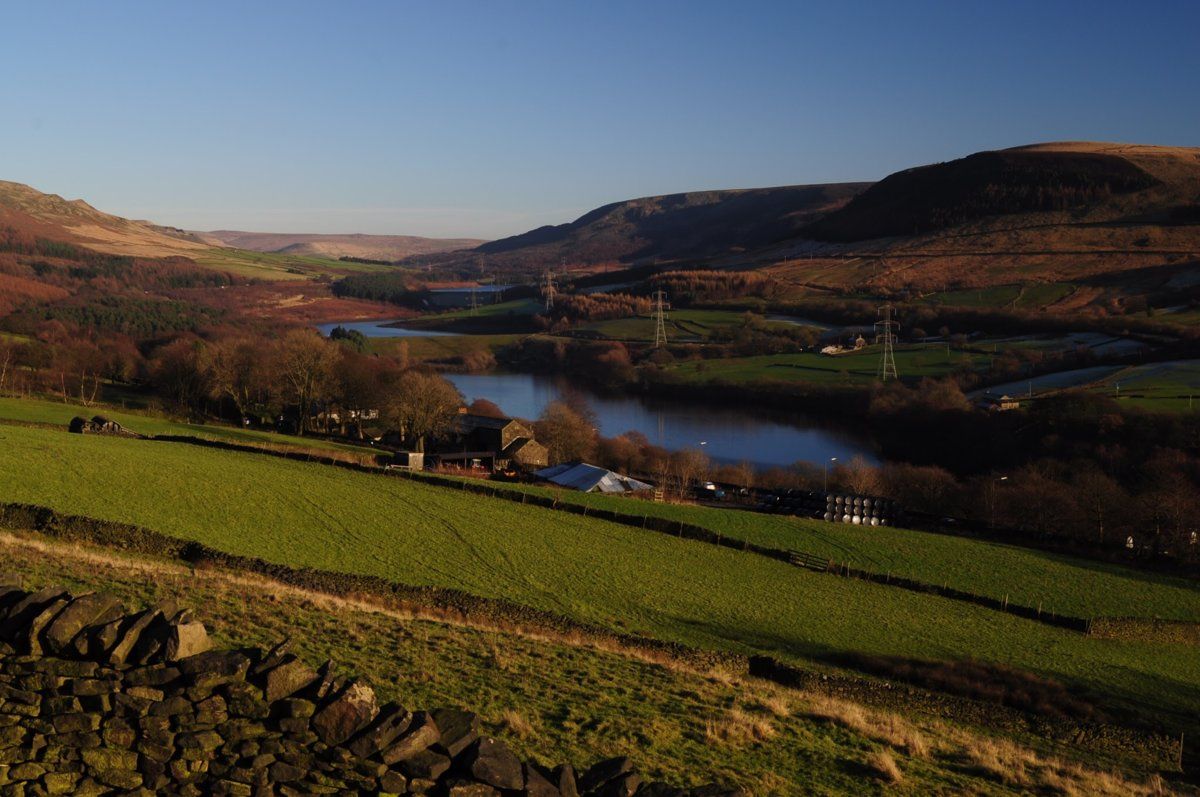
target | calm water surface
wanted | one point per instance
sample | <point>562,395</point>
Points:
<point>726,434</point>
<point>376,329</point>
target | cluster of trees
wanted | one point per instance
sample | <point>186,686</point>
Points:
<point>67,361</point>
<point>754,335</point>
<point>136,316</point>
<point>1159,508</point>
<point>314,384</point>
<point>597,362</point>
<point>397,287</point>
<point>688,287</point>
<point>576,307</point>
<point>1077,464</point>
<point>613,364</point>
<point>317,384</point>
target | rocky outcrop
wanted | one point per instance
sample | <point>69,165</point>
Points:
<point>99,425</point>
<point>97,699</point>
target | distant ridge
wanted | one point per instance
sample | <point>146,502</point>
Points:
<point>1101,181</point>
<point>75,221</point>
<point>357,245</point>
<point>698,224</point>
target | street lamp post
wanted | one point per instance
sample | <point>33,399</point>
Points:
<point>992,521</point>
<point>831,459</point>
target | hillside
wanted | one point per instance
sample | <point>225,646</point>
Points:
<point>565,699</point>
<point>33,215</point>
<point>75,221</point>
<point>1108,221</point>
<point>932,198</point>
<point>696,225</point>
<point>370,247</point>
<point>592,571</point>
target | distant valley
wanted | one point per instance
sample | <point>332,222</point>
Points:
<point>366,247</point>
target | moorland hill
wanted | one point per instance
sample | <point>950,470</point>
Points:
<point>369,247</point>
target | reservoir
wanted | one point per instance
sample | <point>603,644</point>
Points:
<point>726,434</point>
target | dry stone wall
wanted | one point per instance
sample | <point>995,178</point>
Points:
<point>98,699</point>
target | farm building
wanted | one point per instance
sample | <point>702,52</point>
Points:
<point>1000,403</point>
<point>408,460</point>
<point>591,479</point>
<point>496,443</point>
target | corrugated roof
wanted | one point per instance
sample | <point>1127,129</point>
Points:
<point>586,478</point>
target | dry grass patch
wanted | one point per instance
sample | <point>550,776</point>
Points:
<point>516,724</point>
<point>776,705</point>
<point>1019,767</point>
<point>885,727</point>
<point>739,727</point>
<point>882,763</point>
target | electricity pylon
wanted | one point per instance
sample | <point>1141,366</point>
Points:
<point>885,333</point>
<point>548,291</point>
<point>660,319</point>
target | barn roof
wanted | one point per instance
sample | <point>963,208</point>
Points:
<point>469,421</point>
<point>586,478</point>
<point>522,443</point>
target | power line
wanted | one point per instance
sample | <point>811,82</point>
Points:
<point>660,319</point>
<point>885,333</point>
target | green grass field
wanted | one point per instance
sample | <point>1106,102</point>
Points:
<point>682,325</point>
<point>1030,296</point>
<point>513,307</point>
<point>1036,295</point>
<point>303,514</point>
<point>1058,583</point>
<point>441,347</point>
<point>276,266</point>
<point>60,414</point>
<point>1184,318</point>
<point>862,367</point>
<point>1163,387</point>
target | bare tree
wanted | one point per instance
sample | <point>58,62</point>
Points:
<point>181,372</point>
<point>689,467</point>
<point>565,432</point>
<point>239,373</point>
<point>306,362</point>
<point>860,476</point>
<point>8,358</point>
<point>422,405</point>
<point>1101,497</point>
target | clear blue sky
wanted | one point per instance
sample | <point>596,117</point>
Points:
<point>489,118</point>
